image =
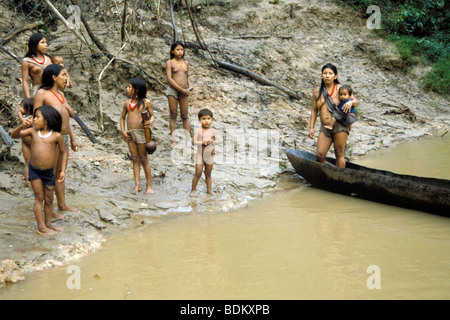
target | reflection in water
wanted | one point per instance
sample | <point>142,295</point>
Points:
<point>299,244</point>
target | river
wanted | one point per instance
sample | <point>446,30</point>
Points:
<point>301,243</point>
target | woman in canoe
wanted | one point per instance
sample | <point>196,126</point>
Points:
<point>339,134</point>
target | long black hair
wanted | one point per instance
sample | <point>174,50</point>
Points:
<point>322,84</point>
<point>52,116</point>
<point>27,105</point>
<point>47,76</point>
<point>33,42</point>
<point>174,45</point>
<point>140,87</point>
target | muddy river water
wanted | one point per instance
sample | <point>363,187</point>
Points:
<point>301,243</point>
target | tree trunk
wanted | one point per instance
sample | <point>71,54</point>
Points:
<point>175,32</point>
<point>94,38</point>
<point>257,77</point>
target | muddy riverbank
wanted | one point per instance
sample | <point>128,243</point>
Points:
<point>283,42</point>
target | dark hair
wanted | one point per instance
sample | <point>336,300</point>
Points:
<point>140,87</point>
<point>346,87</point>
<point>52,116</point>
<point>33,43</point>
<point>27,104</point>
<point>204,112</point>
<point>47,76</point>
<point>322,83</point>
<point>174,45</point>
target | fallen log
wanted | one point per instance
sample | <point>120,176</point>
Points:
<point>85,128</point>
<point>261,37</point>
<point>235,68</point>
<point>20,29</point>
<point>257,77</point>
<point>6,137</point>
<point>93,37</point>
<point>64,21</point>
<point>10,53</point>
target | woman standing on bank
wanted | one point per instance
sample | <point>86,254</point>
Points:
<point>339,134</point>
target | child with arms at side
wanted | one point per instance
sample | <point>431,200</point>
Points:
<point>205,138</point>
<point>45,140</point>
<point>178,91</point>
<point>135,135</point>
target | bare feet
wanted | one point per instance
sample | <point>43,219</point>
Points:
<point>66,208</point>
<point>137,189</point>
<point>57,215</point>
<point>193,193</point>
<point>210,192</point>
<point>57,229</point>
<point>149,190</point>
<point>46,232</point>
<point>173,144</point>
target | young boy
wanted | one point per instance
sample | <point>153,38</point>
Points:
<point>345,92</point>
<point>205,138</point>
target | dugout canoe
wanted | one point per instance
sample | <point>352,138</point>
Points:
<point>419,193</point>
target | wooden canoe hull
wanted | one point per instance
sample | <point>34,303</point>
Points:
<point>419,193</point>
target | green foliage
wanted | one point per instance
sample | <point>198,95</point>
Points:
<point>408,17</point>
<point>438,79</point>
<point>419,28</point>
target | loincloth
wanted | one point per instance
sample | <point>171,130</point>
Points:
<point>338,127</point>
<point>138,135</point>
<point>66,139</point>
<point>175,93</point>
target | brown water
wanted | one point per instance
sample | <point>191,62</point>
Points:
<point>299,244</point>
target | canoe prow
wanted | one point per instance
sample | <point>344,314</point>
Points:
<point>419,193</point>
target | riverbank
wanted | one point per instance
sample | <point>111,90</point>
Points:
<point>301,243</point>
<point>287,47</point>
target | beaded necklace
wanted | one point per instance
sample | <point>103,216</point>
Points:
<point>43,136</point>
<point>60,100</point>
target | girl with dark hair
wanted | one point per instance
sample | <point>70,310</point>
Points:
<point>134,135</point>
<point>34,62</point>
<point>45,142</point>
<point>140,88</point>
<point>54,79</point>
<point>339,133</point>
<point>177,72</point>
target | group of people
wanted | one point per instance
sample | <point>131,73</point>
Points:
<point>178,90</point>
<point>46,132</point>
